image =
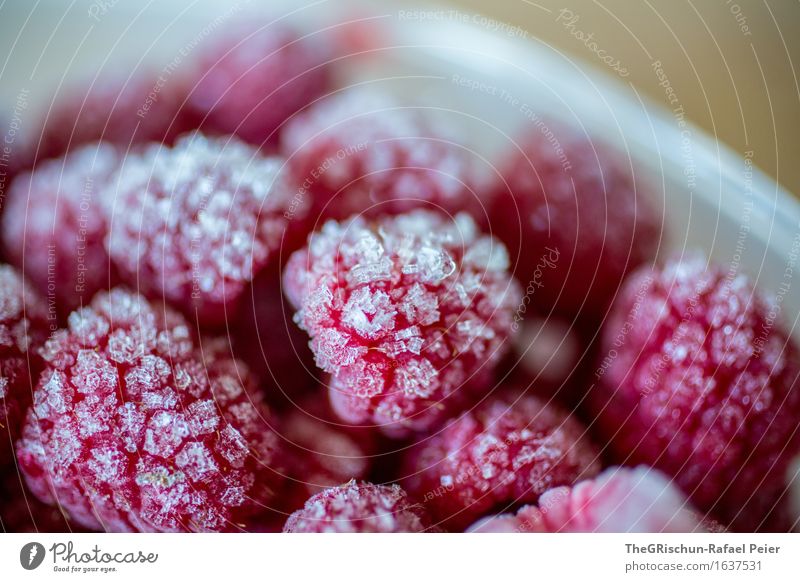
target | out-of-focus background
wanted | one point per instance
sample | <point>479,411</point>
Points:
<point>732,64</point>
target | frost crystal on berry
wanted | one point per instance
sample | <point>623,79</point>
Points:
<point>133,428</point>
<point>410,314</point>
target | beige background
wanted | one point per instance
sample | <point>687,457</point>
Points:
<point>742,88</point>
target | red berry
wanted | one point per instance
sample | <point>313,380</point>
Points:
<point>359,508</point>
<point>616,501</point>
<point>134,429</point>
<point>320,452</point>
<point>361,152</point>
<point>574,220</point>
<point>195,223</point>
<point>54,225</point>
<point>257,77</point>
<point>698,380</point>
<point>23,328</point>
<point>121,109</point>
<point>510,449</point>
<point>410,314</point>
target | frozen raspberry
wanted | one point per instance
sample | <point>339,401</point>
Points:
<point>618,500</point>
<point>320,452</point>
<point>359,508</point>
<point>574,219</point>
<point>195,223</point>
<point>510,449</point>
<point>134,429</point>
<point>410,314</point>
<point>54,225</point>
<point>257,77</point>
<point>360,152</point>
<point>698,380</point>
<point>120,109</point>
<point>23,328</point>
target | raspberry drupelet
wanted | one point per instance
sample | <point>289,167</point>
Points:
<point>409,313</point>
<point>575,220</point>
<point>619,500</point>
<point>360,508</point>
<point>256,77</point>
<point>133,428</point>
<point>23,328</point>
<point>363,153</point>
<point>195,223</point>
<point>510,449</point>
<point>54,225</point>
<point>699,381</point>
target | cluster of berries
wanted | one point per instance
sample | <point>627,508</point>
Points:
<point>271,305</point>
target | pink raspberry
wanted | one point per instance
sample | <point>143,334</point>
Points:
<point>361,152</point>
<point>195,223</point>
<point>134,429</point>
<point>359,508</point>
<point>55,228</point>
<point>23,328</point>
<point>574,219</point>
<point>410,314</point>
<point>321,453</point>
<point>510,449</point>
<point>121,109</point>
<point>257,77</point>
<point>698,381</point>
<point>618,500</point>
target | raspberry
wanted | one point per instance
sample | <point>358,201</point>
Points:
<point>321,453</point>
<point>361,152</point>
<point>23,327</point>
<point>699,382</point>
<point>574,220</point>
<point>255,78</point>
<point>359,508</point>
<point>134,429</point>
<point>120,109</point>
<point>510,449</point>
<point>195,223</point>
<point>53,225</point>
<point>410,314</point>
<point>619,500</point>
